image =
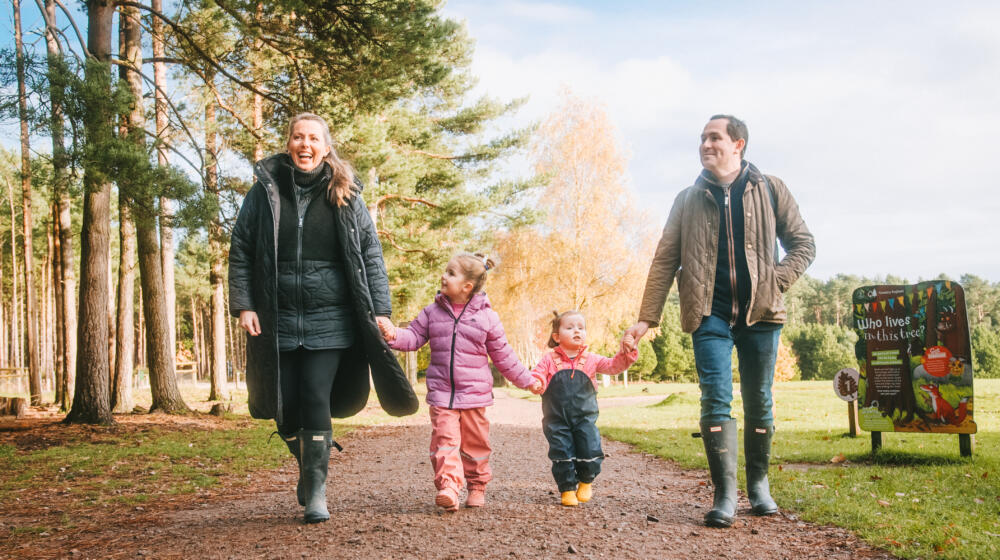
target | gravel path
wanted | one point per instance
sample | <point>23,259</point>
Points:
<point>381,499</point>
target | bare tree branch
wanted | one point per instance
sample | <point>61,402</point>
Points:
<point>173,107</point>
<point>282,101</point>
<point>79,36</point>
<point>382,200</point>
<point>392,241</point>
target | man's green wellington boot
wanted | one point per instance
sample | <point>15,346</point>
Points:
<point>721,449</point>
<point>757,450</point>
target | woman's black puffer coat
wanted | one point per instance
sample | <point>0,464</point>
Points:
<point>253,285</point>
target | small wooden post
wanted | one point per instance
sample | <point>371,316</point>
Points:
<point>852,417</point>
<point>876,442</point>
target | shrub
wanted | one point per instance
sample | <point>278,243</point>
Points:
<point>985,352</point>
<point>822,350</point>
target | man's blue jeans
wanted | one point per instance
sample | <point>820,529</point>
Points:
<point>757,349</point>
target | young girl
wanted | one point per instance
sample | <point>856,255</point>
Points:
<point>464,333</point>
<point>569,405</point>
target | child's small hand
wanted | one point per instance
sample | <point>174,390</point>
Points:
<point>628,342</point>
<point>387,329</point>
<point>536,387</point>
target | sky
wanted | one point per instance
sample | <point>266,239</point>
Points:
<point>881,117</point>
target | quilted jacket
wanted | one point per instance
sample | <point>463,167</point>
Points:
<point>459,375</point>
<point>253,285</point>
<point>688,246</point>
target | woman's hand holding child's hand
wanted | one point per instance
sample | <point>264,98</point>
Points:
<point>387,328</point>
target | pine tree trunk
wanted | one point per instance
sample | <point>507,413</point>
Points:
<point>15,303</point>
<point>3,318</point>
<point>140,333</point>
<point>258,99</point>
<point>232,351</point>
<point>57,289</point>
<point>195,339</point>
<point>66,280</point>
<point>166,205</point>
<point>30,299</point>
<point>219,389</point>
<point>92,401</point>
<point>122,399</point>
<point>162,376</point>
<point>111,311</point>
<point>47,344</point>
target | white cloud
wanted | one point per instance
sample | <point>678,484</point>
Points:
<point>547,12</point>
<point>881,121</point>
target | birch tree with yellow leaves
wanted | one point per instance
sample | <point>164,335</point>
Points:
<point>592,247</point>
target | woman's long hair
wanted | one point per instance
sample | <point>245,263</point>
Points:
<point>342,181</point>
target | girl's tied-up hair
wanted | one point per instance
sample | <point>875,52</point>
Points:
<point>474,267</point>
<point>342,182</point>
<point>557,322</point>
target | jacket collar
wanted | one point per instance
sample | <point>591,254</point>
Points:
<point>268,170</point>
<point>705,178</point>
<point>559,350</point>
<point>477,302</point>
<point>753,177</point>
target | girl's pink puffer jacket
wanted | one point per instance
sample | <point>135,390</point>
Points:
<point>459,375</point>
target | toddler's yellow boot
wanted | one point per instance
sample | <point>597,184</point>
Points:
<point>584,492</point>
<point>569,499</point>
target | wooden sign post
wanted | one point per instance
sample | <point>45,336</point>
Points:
<point>845,385</point>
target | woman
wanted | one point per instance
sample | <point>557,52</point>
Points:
<point>307,280</point>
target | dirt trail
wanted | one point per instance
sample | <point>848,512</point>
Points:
<point>381,501</point>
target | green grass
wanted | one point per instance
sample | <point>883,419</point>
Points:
<point>917,497</point>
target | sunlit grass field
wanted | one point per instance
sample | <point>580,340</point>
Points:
<point>917,497</point>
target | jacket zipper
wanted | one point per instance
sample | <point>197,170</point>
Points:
<point>298,282</point>
<point>732,261</point>
<point>451,365</point>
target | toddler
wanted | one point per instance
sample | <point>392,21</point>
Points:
<point>569,405</point>
<point>464,333</point>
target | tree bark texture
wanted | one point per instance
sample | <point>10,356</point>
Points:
<point>58,311</point>
<point>60,195</point>
<point>219,390</point>
<point>162,377</point>
<point>92,401</point>
<point>30,299</point>
<point>15,302</point>
<point>121,398</point>
<point>166,205</point>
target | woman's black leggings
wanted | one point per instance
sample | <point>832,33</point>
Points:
<point>306,381</point>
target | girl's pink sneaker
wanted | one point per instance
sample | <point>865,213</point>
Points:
<point>477,497</point>
<point>447,498</point>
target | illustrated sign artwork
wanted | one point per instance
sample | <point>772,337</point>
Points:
<point>915,358</point>
<point>845,384</point>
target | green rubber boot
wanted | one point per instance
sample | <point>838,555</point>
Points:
<point>757,451</point>
<point>315,450</point>
<point>722,451</point>
<point>292,442</point>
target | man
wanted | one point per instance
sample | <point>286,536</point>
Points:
<point>720,244</point>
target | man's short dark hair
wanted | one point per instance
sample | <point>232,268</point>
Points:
<point>736,129</point>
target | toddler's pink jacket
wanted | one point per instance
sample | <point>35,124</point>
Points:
<point>587,362</point>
